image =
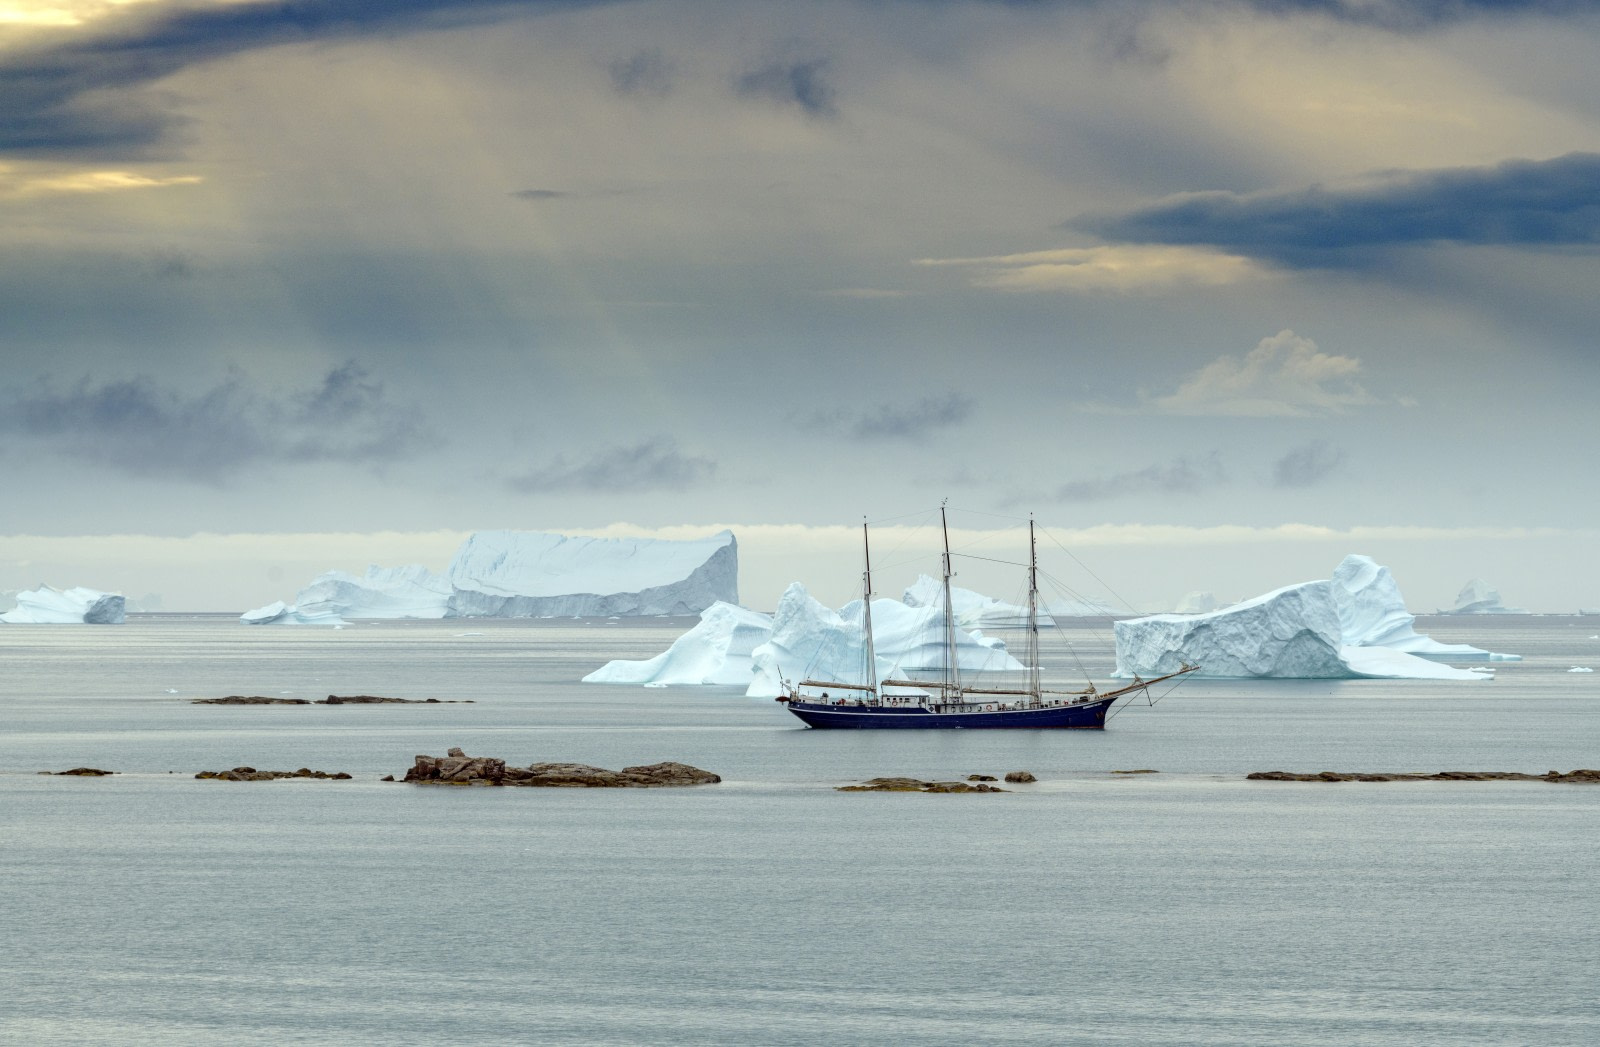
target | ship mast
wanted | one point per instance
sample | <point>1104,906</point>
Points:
<point>871,675</point>
<point>952,671</point>
<point>1033,612</point>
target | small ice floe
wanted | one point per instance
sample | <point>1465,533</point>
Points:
<point>1580,669</point>
<point>653,684</point>
<point>172,690</point>
<point>469,634</point>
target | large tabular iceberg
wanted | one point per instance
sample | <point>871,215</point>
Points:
<point>47,606</point>
<point>529,574</point>
<point>805,640</point>
<point>525,574</point>
<point>1352,625</point>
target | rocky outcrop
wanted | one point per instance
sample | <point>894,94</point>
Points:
<point>250,774</point>
<point>1020,776</point>
<point>915,785</point>
<point>1582,776</point>
<point>81,772</point>
<point>332,699</point>
<point>457,768</point>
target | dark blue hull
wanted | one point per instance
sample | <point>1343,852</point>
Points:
<point>1088,716</point>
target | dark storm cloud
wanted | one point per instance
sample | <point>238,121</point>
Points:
<point>651,465</point>
<point>1423,14</point>
<point>138,427</point>
<point>803,83</point>
<point>898,421</point>
<point>648,72</point>
<point>1306,465</point>
<point>61,98</point>
<point>1531,203</point>
<point>1180,476</point>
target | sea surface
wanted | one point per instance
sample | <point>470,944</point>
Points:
<point>1186,907</point>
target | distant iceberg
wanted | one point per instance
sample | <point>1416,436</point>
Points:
<point>412,591</point>
<point>1350,626</point>
<point>530,574</point>
<point>1479,597</point>
<point>973,610</point>
<point>280,613</point>
<point>1198,602</point>
<point>527,574</point>
<point>805,640</point>
<point>48,606</point>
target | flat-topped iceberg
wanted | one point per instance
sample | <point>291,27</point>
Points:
<point>530,574</point>
<point>79,606</point>
<point>1479,597</point>
<point>412,591</point>
<point>1352,625</point>
<point>280,613</point>
<point>805,640</point>
<point>526,574</point>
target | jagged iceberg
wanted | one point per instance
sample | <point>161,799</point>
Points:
<point>526,574</point>
<point>79,606</point>
<point>412,591</point>
<point>810,641</point>
<point>716,651</point>
<point>804,639</point>
<point>1479,597</point>
<point>280,613</point>
<point>1352,625</point>
<point>973,610</point>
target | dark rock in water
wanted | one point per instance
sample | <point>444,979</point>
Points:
<point>332,699</point>
<point>1580,776</point>
<point>1144,770</point>
<point>81,772</point>
<point>457,768</point>
<point>980,778</point>
<point>387,778</point>
<point>1020,776</point>
<point>372,699</point>
<point>250,774</point>
<point>915,785</point>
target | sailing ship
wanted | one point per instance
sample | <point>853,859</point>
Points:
<point>948,701</point>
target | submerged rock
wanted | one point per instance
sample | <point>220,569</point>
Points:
<point>1578,777</point>
<point>457,768</point>
<point>81,772</point>
<point>915,785</point>
<point>250,699</point>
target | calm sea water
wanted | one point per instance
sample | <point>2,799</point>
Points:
<point>1185,907</point>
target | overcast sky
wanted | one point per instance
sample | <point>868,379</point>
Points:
<point>1221,290</point>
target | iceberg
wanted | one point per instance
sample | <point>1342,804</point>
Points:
<point>810,641</point>
<point>528,574</point>
<point>1350,626</point>
<point>1479,597</point>
<point>973,610</point>
<point>383,592</point>
<point>716,651</point>
<point>804,639</point>
<point>280,613</point>
<point>525,574</point>
<point>1198,602</point>
<point>79,606</point>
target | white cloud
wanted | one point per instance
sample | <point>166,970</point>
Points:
<point>1119,268</point>
<point>17,183</point>
<point>1283,376</point>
